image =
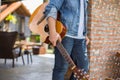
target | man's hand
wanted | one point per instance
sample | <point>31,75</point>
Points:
<point>87,40</point>
<point>54,37</point>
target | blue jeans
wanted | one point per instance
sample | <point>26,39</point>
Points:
<point>77,50</point>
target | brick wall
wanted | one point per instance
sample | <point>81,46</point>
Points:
<point>104,33</point>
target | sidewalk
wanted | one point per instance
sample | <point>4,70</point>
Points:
<point>40,69</point>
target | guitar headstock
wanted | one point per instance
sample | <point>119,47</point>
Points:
<point>80,75</point>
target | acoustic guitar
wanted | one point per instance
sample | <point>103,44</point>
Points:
<point>38,25</point>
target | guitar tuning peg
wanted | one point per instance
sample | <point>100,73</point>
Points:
<point>78,77</point>
<point>75,73</point>
<point>84,77</point>
<point>81,73</point>
<point>75,76</point>
<point>79,70</point>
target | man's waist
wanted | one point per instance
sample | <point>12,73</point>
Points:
<point>76,37</point>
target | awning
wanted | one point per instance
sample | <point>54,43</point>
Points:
<point>17,7</point>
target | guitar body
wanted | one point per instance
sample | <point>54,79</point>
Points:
<point>42,28</point>
<point>38,25</point>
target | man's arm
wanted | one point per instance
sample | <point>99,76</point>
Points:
<point>87,40</point>
<point>51,12</point>
<point>53,35</point>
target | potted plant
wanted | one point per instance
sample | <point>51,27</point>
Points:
<point>35,38</point>
<point>5,24</point>
<point>38,49</point>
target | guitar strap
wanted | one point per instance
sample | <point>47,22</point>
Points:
<point>58,15</point>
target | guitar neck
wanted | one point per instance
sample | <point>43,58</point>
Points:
<point>65,54</point>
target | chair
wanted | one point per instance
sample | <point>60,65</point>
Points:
<point>29,54</point>
<point>26,49</point>
<point>7,49</point>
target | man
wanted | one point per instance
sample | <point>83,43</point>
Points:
<point>73,14</point>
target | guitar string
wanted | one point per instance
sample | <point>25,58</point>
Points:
<point>65,54</point>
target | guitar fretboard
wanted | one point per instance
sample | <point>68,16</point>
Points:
<point>65,54</point>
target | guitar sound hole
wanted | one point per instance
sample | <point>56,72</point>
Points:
<point>46,29</point>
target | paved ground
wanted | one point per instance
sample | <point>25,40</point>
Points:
<point>40,69</point>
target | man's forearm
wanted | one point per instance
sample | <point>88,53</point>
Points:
<point>53,35</point>
<point>52,24</point>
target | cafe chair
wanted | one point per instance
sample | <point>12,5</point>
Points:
<point>8,50</point>
<point>29,55</point>
<point>25,48</point>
